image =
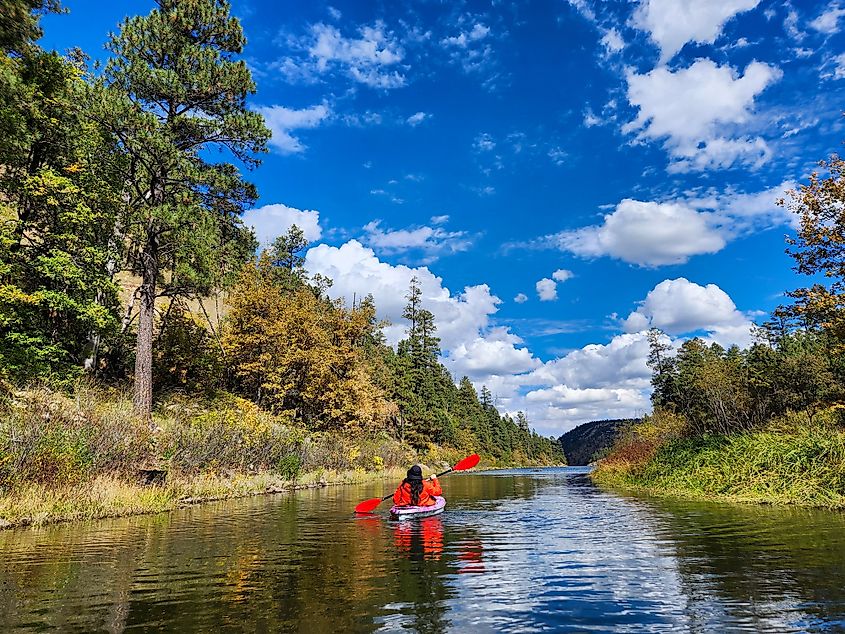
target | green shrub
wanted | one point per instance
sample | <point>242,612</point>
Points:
<point>289,467</point>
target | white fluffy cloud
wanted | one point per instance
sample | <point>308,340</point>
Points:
<point>283,121</point>
<point>828,21</point>
<point>698,112</point>
<point>546,290</point>
<point>595,382</point>
<point>520,298</point>
<point>433,241</point>
<point>660,233</point>
<point>673,23</point>
<point>646,233</point>
<point>681,307</point>
<point>271,221</point>
<point>415,119</point>
<point>356,271</point>
<point>496,353</point>
<point>561,275</point>
<point>563,407</point>
<point>370,59</point>
<point>618,364</point>
<point>547,287</point>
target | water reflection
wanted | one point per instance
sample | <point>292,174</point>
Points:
<point>783,565</point>
<point>419,540</point>
<point>515,551</point>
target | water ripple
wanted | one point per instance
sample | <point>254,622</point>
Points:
<point>516,551</point>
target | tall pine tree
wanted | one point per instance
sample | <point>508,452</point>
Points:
<point>172,91</point>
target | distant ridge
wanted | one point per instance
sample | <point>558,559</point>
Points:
<point>582,444</point>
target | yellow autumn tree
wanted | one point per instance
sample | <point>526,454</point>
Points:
<point>300,353</point>
<point>819,249</point>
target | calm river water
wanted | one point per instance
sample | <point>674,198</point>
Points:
<point>516,551</point>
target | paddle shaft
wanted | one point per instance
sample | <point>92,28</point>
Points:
<point>449,470</point>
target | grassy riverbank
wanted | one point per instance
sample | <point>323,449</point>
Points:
<point>85,455</point>
<point>791,461</point>
<point>105,496</point>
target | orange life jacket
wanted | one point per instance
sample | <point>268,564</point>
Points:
<point>402,497</point>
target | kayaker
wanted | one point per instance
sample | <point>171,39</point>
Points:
<point>414,491</point>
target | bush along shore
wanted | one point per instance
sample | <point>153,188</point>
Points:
<point>86,455</point>
<point>790,461</point>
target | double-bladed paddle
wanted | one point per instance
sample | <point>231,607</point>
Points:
<point>369,506</point>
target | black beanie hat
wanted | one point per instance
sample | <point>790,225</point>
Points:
<point>415,473</point>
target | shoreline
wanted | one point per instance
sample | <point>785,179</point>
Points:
<point>36,506</point>
<point>621,484</point>
<point>784,463</point>
<point>625,481</point>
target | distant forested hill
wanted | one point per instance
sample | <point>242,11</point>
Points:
<point>583,443</point>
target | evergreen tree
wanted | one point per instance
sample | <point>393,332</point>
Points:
<point>19,22</point>
<point>413,306</point>
<point>661,363</point>
<point>287,256</point>
<point>172,91</point>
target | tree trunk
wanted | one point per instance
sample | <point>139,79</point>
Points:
<point>143,392</point>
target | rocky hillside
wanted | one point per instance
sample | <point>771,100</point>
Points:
<point>582,444</point>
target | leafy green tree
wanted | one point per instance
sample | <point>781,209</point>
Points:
<point>172,91</point>
<point>60,186</point>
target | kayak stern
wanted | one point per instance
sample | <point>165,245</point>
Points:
<point>416,512</point>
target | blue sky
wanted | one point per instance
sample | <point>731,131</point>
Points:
<point>560,175</point>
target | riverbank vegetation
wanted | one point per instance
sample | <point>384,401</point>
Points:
<point>766,423</point>
<point>140,333</point>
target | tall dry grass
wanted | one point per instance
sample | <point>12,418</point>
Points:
<point>53,439</point>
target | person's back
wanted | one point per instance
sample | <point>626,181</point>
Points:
<point>414,491</point>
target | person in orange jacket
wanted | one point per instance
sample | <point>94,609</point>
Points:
<point>414,491</point>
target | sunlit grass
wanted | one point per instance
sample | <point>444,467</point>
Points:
<point>104,496</point>
<point>803,465</point>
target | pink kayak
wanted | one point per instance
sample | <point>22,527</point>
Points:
<point>415,512</point>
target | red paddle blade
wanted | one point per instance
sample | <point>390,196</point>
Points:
<point>467,463</point>
<point>368,506</point>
